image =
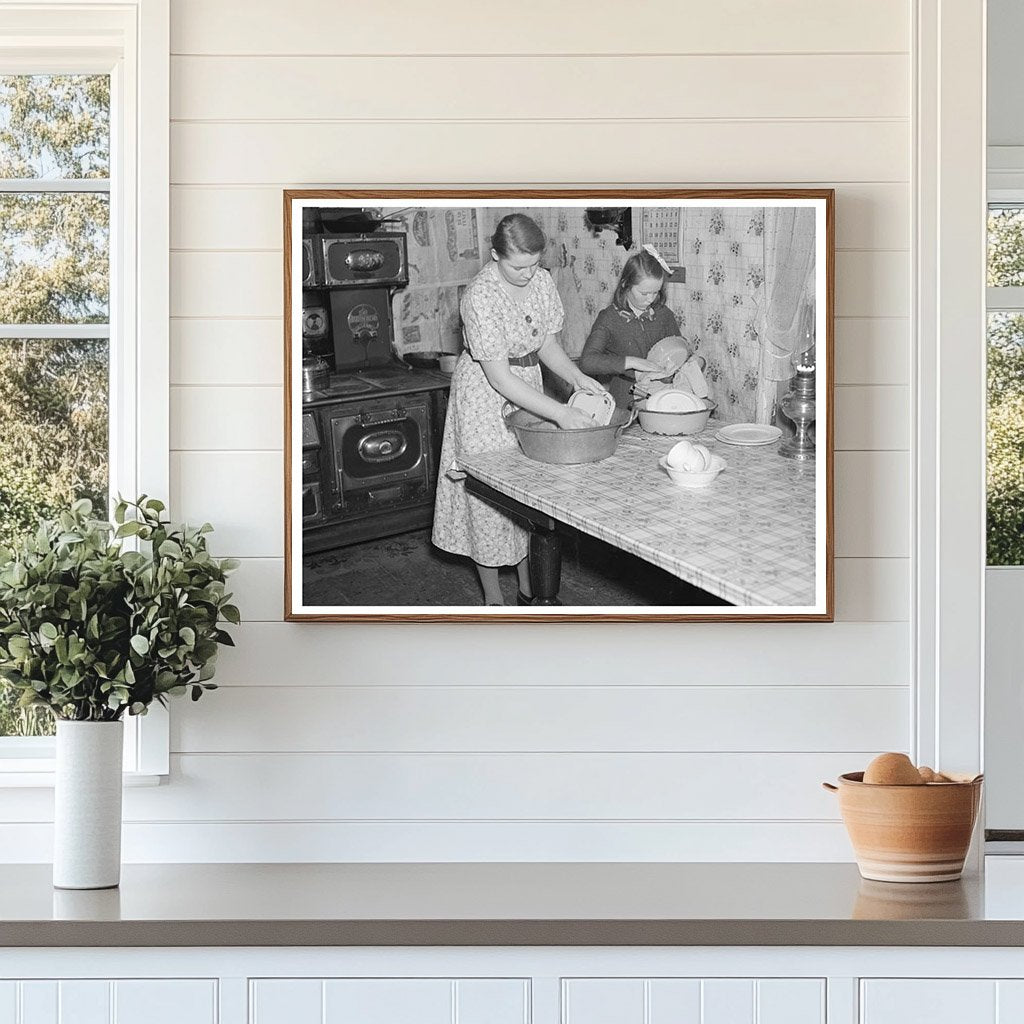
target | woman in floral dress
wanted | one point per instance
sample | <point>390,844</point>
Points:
<point>511,312</point>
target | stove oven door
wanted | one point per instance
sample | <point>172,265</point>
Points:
<point>378,452</point>
<point>312,499</point>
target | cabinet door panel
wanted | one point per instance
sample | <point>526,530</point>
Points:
<point>388,1001</point>
<point>8,1002</point>
<point>84,1002</point>
<point>728,1001</point>
<point>165,1002</point>
<point>603,1000</point>
<point>1010,1002</point>
<point>694,1001</point>
<point>790,1001</point>
<point>928,1001</point>
<point>103,1001</point>
<point>286,1001</point>
<point>38,1002</point>
<point>674,1000</point>
<point>492,1001</point>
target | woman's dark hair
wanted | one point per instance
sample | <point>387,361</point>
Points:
<point>640,265</point>
<point>517,234</point>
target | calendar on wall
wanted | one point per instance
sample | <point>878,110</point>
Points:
<point>662,227</point>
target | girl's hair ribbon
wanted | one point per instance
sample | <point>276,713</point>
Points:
<point>657,255</point>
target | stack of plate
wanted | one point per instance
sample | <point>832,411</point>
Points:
<point>748,434</point>
<point>675,400</point>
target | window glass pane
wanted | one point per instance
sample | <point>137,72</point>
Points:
<point>54,257</point>
<point>1005,439</point>
<point>54,126</point>
<point>53,449</point>
<point>54,269</point>
<point>53,446</point>
<point>17,721</point>
<point>1005,246</point>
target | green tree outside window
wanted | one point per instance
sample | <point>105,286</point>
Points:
<point>54,275</point>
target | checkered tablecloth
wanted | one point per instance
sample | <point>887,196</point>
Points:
<point>747,538</point>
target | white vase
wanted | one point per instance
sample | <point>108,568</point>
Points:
<point>87,805</point>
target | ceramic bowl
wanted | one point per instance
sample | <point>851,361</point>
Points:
<point>681,478</point>
<point>909,833</point>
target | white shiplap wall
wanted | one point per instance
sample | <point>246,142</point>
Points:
<point>460,742</point>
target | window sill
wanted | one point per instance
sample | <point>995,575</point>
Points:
<point>38,775</point>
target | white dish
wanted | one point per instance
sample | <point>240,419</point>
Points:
<point>675,400</point>
<point>748,433</point>
<point>600,405</point>
<point>689,457</point>
<point>681,478</point>
<point>670,352</point>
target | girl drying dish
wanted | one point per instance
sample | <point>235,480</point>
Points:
<point>625,331</point>
<point>511,312</point>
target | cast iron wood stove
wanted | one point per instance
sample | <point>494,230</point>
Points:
<point>371,424</point>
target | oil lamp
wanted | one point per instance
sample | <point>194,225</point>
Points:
<point>798,406</point>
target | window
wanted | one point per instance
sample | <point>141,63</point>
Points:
<point>1005,479</point>
<point>84,124</point>
<point>54,309</point>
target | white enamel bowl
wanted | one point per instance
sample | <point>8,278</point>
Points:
<point>681,478</point>
<point>670,352</point>
<point>655,421</point>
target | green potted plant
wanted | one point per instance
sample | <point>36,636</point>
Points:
<point>93,629</point>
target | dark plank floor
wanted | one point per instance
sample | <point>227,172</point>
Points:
<point>409,570</point>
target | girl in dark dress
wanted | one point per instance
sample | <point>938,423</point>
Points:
<point>625,331</point>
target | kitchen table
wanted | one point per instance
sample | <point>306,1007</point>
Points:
<point>748,538</point>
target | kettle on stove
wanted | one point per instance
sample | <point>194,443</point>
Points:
<point>316,374</point>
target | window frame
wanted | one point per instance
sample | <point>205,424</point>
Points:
<point>1002,713</point>
<point>1004,298</point>
<point>130,41</point>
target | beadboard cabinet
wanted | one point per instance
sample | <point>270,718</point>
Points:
<point>230,999</point>
<point>700,1001</point>
<point>389,1001</point>
<point>942,1001</point>
<point>107,1001</point>
<point>512,985</point>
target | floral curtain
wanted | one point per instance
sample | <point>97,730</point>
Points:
<point>721,304</point>
<point>789,284</point>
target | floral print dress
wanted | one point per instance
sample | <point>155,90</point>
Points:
<point>496,327</point>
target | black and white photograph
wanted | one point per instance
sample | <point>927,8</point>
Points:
<point>533,405</point>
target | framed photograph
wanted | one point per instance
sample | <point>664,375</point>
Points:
<point>559,405</point>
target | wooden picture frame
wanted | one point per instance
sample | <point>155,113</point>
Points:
<point>753,299</point>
